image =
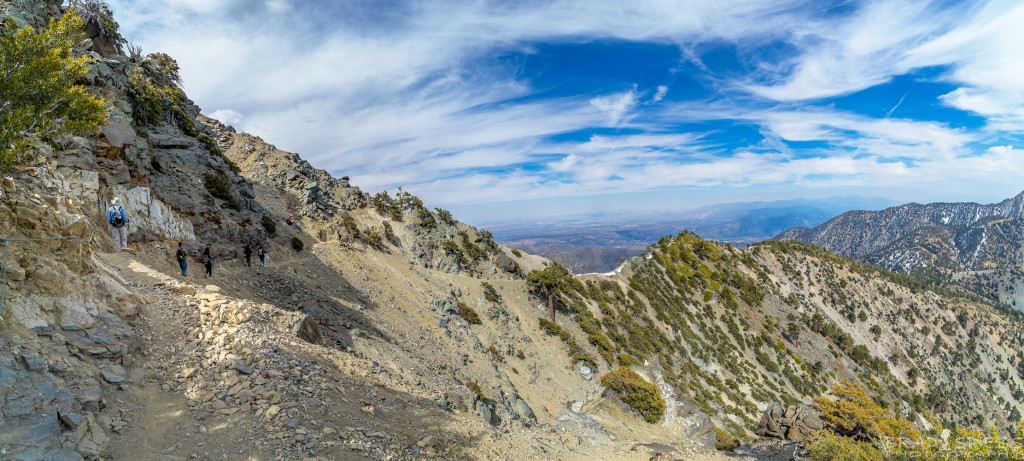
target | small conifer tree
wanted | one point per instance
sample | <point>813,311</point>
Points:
<point>39,98</point>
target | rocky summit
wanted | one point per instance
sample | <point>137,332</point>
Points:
<point>372,326</point>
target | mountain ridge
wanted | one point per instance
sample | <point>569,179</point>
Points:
<point>896,222</point>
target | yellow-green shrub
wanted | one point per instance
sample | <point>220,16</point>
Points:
<point>725,440</point>
<point>963,445</point>
<point>853,413</point>
<point>636,392</point>
<point>476,389</point>
<point>38,94</point>
<point>827,446</point>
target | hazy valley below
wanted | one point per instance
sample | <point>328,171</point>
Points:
<point>598,242</point>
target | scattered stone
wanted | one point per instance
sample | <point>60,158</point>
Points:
<point>114,374</point>
<point>697,425</point>
<point>33,363</point>
<point>241,368</point>
<point>71,420</point>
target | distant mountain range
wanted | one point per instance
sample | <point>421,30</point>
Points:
<point>596,242</point>
<point>947,241</point>
<point>966,232</point>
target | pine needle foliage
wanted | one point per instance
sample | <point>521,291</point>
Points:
<point>39,99</point>
<point>636,392</point>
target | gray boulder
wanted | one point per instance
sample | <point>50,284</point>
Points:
<point>118,131</point>
<point>168,141</point>
<point>306,329</point>
<point>697,425</point>
<point>506,263</point>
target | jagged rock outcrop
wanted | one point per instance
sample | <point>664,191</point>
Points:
<point>797,422</point>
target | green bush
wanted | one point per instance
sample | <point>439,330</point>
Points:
<point>38,95</point>
<point>269,224</point>
<point>633,390</point>
<point>725,440</point>
<point>387,206</point>
<point>452,249</point>
<point>576,352</point>
<point>517,253</point>
<point>549,327</point>
<point>490,293</point>
<point>349,223</point>
<point>154,102</point>
<point>626,360</point>
<point>297,244</point>
<point>426,219</point>
<point>221,188</point>
<point>389,233</point>
<point>468,314</point>
<point>445,216</point>
<point>373,239</point>
<point>474,251</point>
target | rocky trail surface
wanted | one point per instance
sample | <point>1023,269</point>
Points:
<point>222,377</point>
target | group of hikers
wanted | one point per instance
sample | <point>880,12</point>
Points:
<point>207,259</point>
<point>118,221</point>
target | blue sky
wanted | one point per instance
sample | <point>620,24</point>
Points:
<point>538,108</point>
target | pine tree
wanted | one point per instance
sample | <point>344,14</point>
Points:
<point>39,99</point>
<point>547,281</point>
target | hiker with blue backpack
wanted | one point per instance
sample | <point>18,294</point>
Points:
<point>118,221</point>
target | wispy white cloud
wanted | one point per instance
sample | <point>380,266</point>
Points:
<point>616,107</point>
<point>413,94</point>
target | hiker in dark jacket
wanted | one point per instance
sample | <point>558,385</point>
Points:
<point>262,254</point>
<point>182,258</point>
<point>208,262</point>
<point>247,252</point>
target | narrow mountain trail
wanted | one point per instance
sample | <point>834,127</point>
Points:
<point>217,383</point>
<point>164,429</point>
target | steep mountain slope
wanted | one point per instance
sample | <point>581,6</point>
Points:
<point>380,329</point>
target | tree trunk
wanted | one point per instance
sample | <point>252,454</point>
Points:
<point>551,306</point>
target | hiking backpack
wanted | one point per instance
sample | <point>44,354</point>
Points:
<point>118,220</point>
